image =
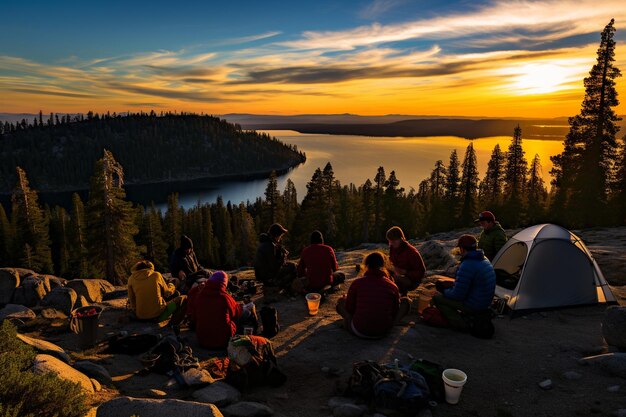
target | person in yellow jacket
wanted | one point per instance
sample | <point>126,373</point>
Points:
<point>151,298</point>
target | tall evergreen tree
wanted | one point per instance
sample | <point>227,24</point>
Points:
<point>152,237</point>
<point>367,197</point>
<point>536,193</point>
<point>32,239</point>
<point>59,233</point>
<point>515,171</point>
<point>492,185</point>
<point>78,258</point>
<point>582,172</point>
<point>393,202</point>
<point>290,204</point>
<point>245,235</point>
<point>273,210</point>
<point>173,223</point>
<point>111,224</point>
<point>330,186</point>
<point>469,187</point>
<point>379,216</point>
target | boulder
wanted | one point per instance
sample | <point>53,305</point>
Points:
<point>43,346</point>
<point>218,393</point>
<point>247,409</point>
<point>95,371</point>
<point>116,294</point>
<point>30,293</point>
<point>612,363</point>
<point>9,281</point>
<point>81,302</point>
<point>614,327</point>
<point>56,282</point>
<point>49,364</point>
<point>96,385</point>
<point>61,298</point>
<point>91,289</point>
<point>349,410</point>
<point>15,311</point>
<point>436,255</point>
<point>127,407</point>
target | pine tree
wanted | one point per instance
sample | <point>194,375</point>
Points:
<point>619,197</point>
<point>312,212</point>
<point>245,235</point>
<point>433,196</point>
<point>111,224</point>
<point>273,210</point>
<point>290,204</point>
<point>6,238</point>
<point>469,187</point>
<point>492,185</point>
<point>393,205</point>
<point>224,233</point>
<point>515,171</point>
<point>152,237</point>
<point>367,196</point>
<point>78,259</point>
<point>330,186</point>
<point>32,240</point>
<point>582,172</point>
<point>379,216</point>
<point>59,233</point>
<point>536,193</point>
<point>173,223</point>
<point>453,181</point>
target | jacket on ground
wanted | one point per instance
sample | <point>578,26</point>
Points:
<point>408,257</point>
<point>270,257</point>
<point>492,240</point>
<point>317,263</point>
<point>147,291</point>
<point>373,301</point>
<point>475,282</point>
<point>214,314</point>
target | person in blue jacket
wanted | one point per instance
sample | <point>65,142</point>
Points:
<point>473,288</point>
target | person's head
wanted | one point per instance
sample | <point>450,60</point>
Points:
<point>395,236</point>
<point>374,261</point>
<point>219,277</point>
<point>467,243</point>
<point>186,244</point>
<point>486,219</point>
<point>317,238</point>
<point>276,231</point>
<point>143,265</point>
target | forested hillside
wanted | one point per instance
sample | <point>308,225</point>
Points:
<point>59,153</point>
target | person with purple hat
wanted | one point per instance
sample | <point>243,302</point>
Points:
<point>215,315</point>
<point>493,236</point>
<point>473,288</point>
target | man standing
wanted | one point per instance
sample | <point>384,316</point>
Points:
<point>493,237</point>
<point>473,288</point>
<point>270,263</point>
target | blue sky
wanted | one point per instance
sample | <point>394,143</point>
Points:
<point>371,56</point>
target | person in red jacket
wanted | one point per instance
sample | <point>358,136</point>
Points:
<point>373,304</point>
<point>214,314</point>
<point>317,267</point>
<point>408,265</point>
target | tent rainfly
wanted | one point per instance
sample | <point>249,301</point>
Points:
<point>546,266</point>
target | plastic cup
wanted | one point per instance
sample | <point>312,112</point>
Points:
<point>453,381</point>
<point>313,302</point>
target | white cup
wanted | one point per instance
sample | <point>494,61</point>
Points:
<point>453,381</point>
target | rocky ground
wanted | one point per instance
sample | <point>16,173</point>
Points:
<point>504,373</point>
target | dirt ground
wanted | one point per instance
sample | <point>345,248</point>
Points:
<point>503,373</point>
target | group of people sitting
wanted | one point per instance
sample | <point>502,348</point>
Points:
<point>373,304</point>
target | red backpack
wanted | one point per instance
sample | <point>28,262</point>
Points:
<point>432,316</point>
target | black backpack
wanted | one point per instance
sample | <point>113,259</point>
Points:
<point>269,318</point>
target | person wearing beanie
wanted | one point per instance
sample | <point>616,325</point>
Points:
<point>492,237</point>
<point>151,298</point>
<point>473,289</point>
<point>270,263</point>
<point>408,265</point>
<point>373,304</point>
<point>214,314</point>
<point>317,268</point>
<point>184,264</point>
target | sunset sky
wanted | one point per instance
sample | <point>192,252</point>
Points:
<point>422,57</point>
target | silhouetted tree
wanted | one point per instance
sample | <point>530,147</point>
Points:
<point>469,187</point>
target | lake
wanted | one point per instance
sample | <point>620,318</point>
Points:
<point>357,158</point>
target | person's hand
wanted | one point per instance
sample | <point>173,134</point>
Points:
<point>399,271</point>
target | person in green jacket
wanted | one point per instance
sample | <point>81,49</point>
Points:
<point>493,237</point>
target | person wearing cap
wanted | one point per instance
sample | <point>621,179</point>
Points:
<point>151,298</point>
<point>408,265</point>
<point>317,268</point>
<point>373,303</point>
<point>473,287</point>
<point>214,314</point>
<point>270,263</point>
<point>493,236</point>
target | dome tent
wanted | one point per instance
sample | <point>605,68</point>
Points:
<point>546,266</point>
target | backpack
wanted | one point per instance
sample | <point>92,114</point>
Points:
<point>431,372</point>
<point>252,362</point>
<point>269,318</point>
<point>432,316</point>
<point>388,386</point>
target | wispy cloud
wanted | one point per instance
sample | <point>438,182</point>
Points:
<point>377,8</point>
